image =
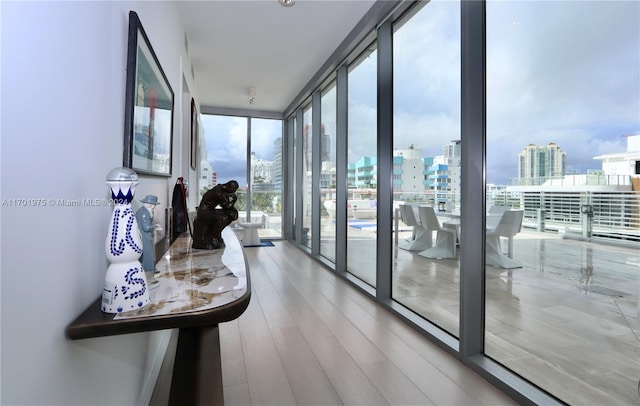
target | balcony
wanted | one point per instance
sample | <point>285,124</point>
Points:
<point>574,300</point>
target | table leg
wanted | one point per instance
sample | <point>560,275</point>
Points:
<point>197,370</point>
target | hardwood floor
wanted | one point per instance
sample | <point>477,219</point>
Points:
<point>567,320</point>
<point>309,338</point>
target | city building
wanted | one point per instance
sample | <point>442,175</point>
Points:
<point>408,172</point>
<point>261,174</point>
<point>608,194</point>
<point>537,163</point>
<point>444,175</point>
<point>363,173</point>
<point>277,164</point>
<point>328,175</point>
<point>429,179</point>
<point>624,163</point>
<point>206,176</point>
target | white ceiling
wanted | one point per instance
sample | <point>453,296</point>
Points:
<point>236,45</point>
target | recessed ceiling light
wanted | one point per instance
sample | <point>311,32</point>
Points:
<point>287,3</point>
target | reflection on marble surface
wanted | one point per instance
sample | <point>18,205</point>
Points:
<point>193,280</point>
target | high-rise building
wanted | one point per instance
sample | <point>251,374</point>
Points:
<point>443,175</point>
<point>325,142</point>
<point>542,162</point>
<point>261,173</point>
<point>277,163</point>
<point>206,175</point>
<point>325,145</point>
<point>328,175</point>
<point>408,170</point>
<point>363,174</point>
<point>452,155</point>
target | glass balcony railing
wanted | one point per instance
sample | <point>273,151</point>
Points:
<point>588,179</point>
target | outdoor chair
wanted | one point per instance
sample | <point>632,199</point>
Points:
<point>445,246</point>
<point>494,214</point>
<point>509,225</point>
<point>420,239</point>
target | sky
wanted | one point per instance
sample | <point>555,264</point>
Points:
<point>566,72</point>
<point>226,143</point>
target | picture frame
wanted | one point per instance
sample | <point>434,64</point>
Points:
<point>194,134</point>
<point>149,102</point>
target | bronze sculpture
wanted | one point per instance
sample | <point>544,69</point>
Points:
<point>215,212</point>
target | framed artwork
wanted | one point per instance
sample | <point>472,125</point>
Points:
<point>194,135</point>
<point>148,119</point>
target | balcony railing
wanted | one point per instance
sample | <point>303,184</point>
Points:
<point>588,179</point>
<point>612,216</point>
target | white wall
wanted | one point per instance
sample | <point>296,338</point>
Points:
<point>63,82</point>
<point>413,175</point>
<point>633,143</point>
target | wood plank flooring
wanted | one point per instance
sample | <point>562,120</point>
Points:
<point>309,338</point>
<point>567,320</point>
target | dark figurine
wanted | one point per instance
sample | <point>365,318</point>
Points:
<point>215,212</point>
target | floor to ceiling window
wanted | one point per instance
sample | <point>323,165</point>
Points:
<point>307,171</point>
<point>560,307</point>
<point>226,138</point>
<point>362,181</point>
<point>563,87</point>
<point>327,156</point>
<point>293,175</point>
<point>266,176</point>
<point>426,160</point>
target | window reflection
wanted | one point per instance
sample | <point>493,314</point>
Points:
<point>561,305</point>
<point>362,181</point>
<point>427,163</point>
<point>328,174</point>
<point>307,170</point>
<point>266,176</point>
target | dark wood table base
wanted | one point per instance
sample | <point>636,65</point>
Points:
<point>197,371</point>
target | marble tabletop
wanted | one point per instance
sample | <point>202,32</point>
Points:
<point>191,280</point>
<point>196,288</point>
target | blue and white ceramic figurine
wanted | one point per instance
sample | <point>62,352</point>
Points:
<point>125,287</point>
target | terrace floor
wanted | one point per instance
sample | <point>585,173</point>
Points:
<point>567,320</point>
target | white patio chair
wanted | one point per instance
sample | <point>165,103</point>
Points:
<point>494,214</point>
<point>445,246</point>
<point>509,225</point>
<point>420,239</point>
<point>497,209</point>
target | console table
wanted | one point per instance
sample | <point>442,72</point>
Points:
<point>197,290</point>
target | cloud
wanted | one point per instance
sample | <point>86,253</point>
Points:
<point>263,134</point>
<point>226,146</point>
<point>362,128</point>
<point>557,71</point>
<point>226,141</point>
<point>554,77</point>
